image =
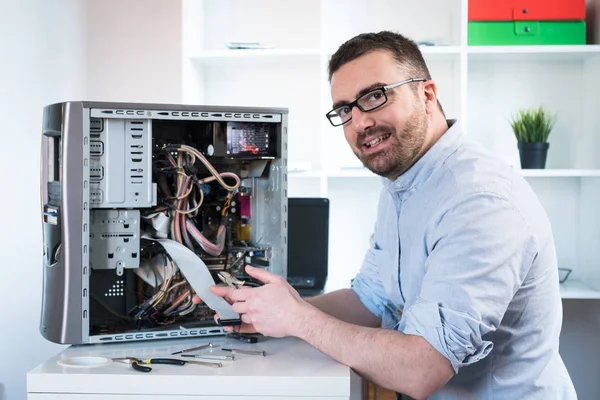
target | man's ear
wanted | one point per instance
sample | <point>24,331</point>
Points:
<point>430,91</point>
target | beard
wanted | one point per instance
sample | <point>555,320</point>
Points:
<point>403,150</point>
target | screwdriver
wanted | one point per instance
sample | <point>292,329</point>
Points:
<point>195,348</point>
<point>205,363</point>
<point>252,352</point>
<point>209,357</point>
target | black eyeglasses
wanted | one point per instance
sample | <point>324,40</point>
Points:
<point>369,101</point>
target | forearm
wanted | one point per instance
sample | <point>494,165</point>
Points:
<point>344,305</point>
<point>403,363</point>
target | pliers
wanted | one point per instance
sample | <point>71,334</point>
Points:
<point>236,283</point>
<point>136,362</point>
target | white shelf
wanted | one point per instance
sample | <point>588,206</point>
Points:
<point>561,173</point>
<point>431,53</point>
<point>511,53</point>
<point>304,174</point>
<point>223,57</point>
<point>217,57</point>
<point>574,289</point>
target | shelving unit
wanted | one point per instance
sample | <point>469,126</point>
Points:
<point>561,173</point>
<point>573,289</point>
<point>481,86</point>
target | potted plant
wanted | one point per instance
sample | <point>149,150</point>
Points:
<point>532,128</point>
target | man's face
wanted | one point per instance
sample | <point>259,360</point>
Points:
<point>390,139</point>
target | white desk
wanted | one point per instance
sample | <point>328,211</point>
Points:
<point>292,370</point>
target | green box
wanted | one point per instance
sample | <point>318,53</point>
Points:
<point>509,33</point>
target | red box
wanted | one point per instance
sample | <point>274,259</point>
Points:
<point>526,10</point>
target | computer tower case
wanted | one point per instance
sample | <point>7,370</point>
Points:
<point>138,198</point>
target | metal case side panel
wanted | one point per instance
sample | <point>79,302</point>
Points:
<point>62,312</point>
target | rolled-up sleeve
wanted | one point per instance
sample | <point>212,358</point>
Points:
<point>480,251</point>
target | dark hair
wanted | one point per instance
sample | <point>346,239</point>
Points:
<point>404,50</point>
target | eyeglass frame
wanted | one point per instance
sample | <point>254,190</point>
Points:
<point>383,89</point>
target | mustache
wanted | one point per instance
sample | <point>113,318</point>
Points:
<point>374,131</point>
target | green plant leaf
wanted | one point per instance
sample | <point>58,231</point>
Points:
<point>532,125</point>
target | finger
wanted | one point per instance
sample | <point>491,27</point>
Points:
<point>228,328</point>
<point>247,319</point>
<point>222,291</point>
<point>241,294</point>
<point>246,328</point>
<point>225,328</point>
<point>240,307</point>
<point>196,299</point>
<point>262,275</point>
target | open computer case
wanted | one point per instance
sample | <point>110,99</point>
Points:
<point>138,199</point>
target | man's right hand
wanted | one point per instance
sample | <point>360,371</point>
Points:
<point>224,291</point>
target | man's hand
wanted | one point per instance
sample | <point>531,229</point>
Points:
<point>273,309</point>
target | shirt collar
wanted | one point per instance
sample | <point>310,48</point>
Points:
<point>423,168</point>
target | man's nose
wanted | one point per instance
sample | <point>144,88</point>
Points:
<point>361,120</point>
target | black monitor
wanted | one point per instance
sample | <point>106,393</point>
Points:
<point>308,243</point>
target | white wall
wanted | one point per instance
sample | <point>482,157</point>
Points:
<point>50,52</point>
<point>134,51</point>
<point>42,56</point>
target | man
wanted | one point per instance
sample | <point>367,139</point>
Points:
<point>458,295</point>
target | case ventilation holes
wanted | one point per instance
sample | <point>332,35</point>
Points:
<point>116,290</point>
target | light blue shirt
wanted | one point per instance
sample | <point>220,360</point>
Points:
<point>463,248</point>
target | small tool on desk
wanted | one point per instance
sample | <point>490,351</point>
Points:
<point>210,357</point>
<point>204,346</point>
<point>205,363</point>
<point>251,352</point>
<point>136,362</point>
<point>242,337</point>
